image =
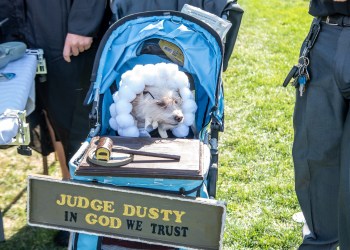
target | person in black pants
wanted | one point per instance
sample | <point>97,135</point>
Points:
<point>321,149</point>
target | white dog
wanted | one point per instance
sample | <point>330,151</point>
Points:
<point>153,96</point>
<point>157,107</point>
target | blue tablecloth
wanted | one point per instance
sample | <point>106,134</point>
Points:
<point>16,94</point>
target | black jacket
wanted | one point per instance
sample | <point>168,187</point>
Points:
<point>329,7</point>
<point>44,24</point>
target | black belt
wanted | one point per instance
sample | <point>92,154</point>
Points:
<point>339,20</point>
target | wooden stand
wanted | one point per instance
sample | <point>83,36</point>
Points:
<point>152,158</point>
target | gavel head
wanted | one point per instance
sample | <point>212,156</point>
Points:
<point>104,149</point>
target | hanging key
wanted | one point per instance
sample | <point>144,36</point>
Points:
<point>302,83</point>
<point>295,83</point>
<point>304,63</point>
<point>304,76</point>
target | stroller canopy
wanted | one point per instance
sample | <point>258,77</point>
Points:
<point>202,52</point>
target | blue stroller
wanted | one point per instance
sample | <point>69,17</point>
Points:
<point>133,40</point>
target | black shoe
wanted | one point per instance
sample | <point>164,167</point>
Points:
<point>62,238</point>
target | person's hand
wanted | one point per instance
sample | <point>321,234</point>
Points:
<point>75,44</point>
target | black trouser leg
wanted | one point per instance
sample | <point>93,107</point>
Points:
<point>343,80</point>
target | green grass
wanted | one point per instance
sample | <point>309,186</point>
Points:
<point>15,169</point>
<point>256,176</point>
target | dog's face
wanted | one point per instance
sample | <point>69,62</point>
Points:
<point>158,105</point>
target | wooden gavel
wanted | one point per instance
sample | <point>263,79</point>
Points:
<point>105,148</point>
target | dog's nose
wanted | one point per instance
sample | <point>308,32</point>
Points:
<point>178,118</point>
